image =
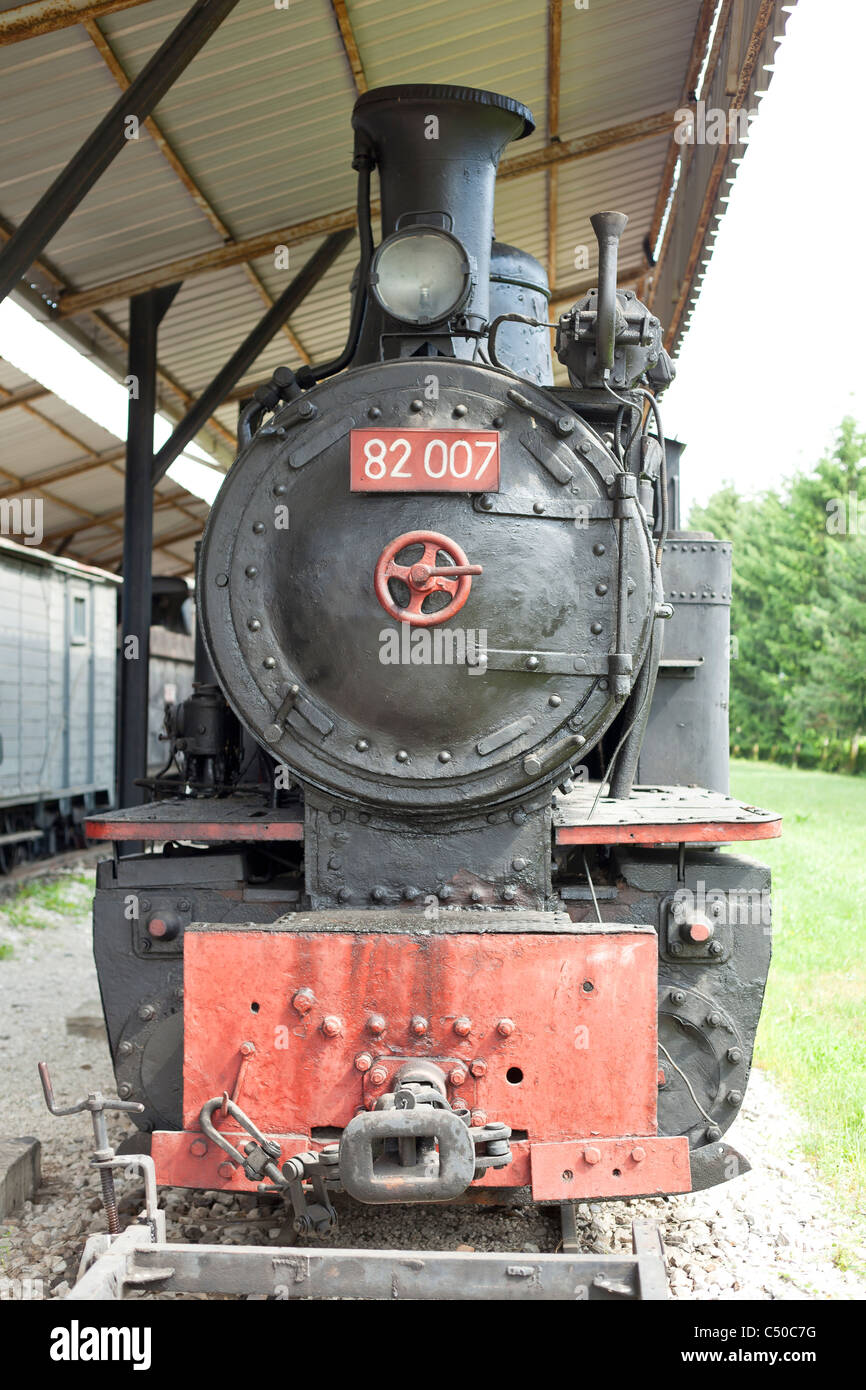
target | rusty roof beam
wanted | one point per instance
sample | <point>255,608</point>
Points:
<point>250,248</point>
<point>350,45</point>
<point>95,519</point>
<point>107,556</point>
<point>109,57</point>
<point>255,342</point>
<point>103,324</point>
<point>696,58</point>
<point>66,470</point>
<point>45,16</point>
<point>107,139</point>
<point>763,19</point>
<point>91,518</point>
<point>22,396</point>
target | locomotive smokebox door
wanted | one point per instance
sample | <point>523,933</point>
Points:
<point>347,647</point>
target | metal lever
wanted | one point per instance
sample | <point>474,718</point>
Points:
<point>103,1153</point>
<point>419,574</point>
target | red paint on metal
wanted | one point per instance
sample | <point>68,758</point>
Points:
<point>424,577</point>
<point>599,1167</point>
<point>579,1061</point>
<point>105,828</point>
<point>177,1165</point>
<point>424,460</point>
<point>678,832</point>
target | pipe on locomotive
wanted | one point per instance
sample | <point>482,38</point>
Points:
<point>608,228</point>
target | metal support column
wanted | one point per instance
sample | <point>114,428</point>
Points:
<point>145,314</point>
<point>255,342</point>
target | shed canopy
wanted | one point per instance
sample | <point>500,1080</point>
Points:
<point>244,169</point>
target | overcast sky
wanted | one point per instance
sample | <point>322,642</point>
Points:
<point>776,353</point>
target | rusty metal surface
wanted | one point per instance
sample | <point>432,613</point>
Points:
<point>208,819</point>
<point>659,815</point>
<point>28,21</point>
<point>597,1167</point>
<point>140,1259</point>
<point>332,1016</point>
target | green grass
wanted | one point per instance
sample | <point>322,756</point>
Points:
<point>812,1037</point>
<point>38,904</point>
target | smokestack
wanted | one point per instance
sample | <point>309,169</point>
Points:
<point>437,149</point>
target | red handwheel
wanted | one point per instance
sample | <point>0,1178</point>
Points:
<point>424,577</point>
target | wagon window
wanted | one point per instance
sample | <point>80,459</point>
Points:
<point>79,618</point>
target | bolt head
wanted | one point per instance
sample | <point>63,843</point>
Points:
<point>303,1000</point>
<point>457,1076</point>
<point>505,1027</point>
<point>376,1024</point>
<point>699,929</point>
<point>125,1048</point>
<point>378,1076</point>
<point>198,1148</point>
<point>716,948</point>
<point>713,1133</point>
<point>734,1097</point>
<point>678,996</point>
<point>418,1025</point>
<point>478,1068</point>
<point>509,893</point>
<point>247,1049</point>
<point>713,1020</point>
<point>146,1013</point>
<point>734,1055</point>
<point>379,894</point>
<point>124,1091</point>
<point>332,1026</point>
<point>478,1119</point>
<point>592,1155</point>
<point>363,1061</point>
<point>638,1154</point>
<point>462,1026</point>
<point>226,1170</point>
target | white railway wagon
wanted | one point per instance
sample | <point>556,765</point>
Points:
<point>58,626</point>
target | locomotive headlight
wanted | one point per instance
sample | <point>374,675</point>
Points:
<point>420,275</point>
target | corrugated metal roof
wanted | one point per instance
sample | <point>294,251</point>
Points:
<point>259,136</point>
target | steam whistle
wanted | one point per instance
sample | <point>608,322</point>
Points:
<point>608,228</point>
<point>609,338</point>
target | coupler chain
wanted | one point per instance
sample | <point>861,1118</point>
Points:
<point>414,1146</point>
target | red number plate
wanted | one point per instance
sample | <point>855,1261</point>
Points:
<point>425,460</point>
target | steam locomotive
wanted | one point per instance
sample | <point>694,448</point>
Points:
<point>440,909</point>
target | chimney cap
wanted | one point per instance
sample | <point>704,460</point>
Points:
<point>438,92</point>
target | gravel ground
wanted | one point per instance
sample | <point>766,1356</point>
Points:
<point>771,1234</point>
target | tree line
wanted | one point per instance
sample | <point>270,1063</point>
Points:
<point>798,618</point>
